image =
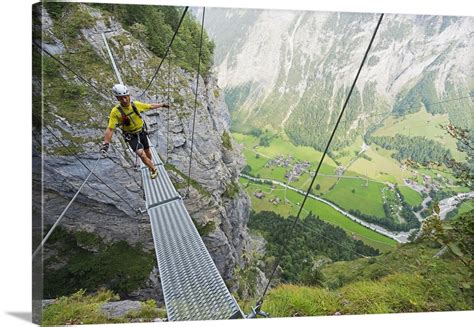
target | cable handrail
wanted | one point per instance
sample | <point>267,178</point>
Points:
<point>61,216</point>
<point>260,301</point>
<point>166,52</point>
<point>85,166</point>
<point>195,100</point>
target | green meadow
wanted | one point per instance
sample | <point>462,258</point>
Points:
<point>324,211</point>
<point>324,182</point>
<point>465,207</point>
<point>421,123</point>
<point>345,155</point>
<point>381,167</point>
<point>411,196</point>
<point>358,194</point>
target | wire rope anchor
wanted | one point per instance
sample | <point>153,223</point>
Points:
<point>140,211</point>
<point>256,311</point>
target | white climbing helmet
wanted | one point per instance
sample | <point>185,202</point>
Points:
<point>120,90</point>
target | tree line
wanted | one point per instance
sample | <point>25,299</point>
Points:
<point>416,148</point>
<point>155,26</point>
<point>312,239</point>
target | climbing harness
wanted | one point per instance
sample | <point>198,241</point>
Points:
<point>126,118</point>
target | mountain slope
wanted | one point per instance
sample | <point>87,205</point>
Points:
<point>291,70</point>
<point>410,278</point>
<point>78,116</point>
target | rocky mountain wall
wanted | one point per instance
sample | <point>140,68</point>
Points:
<point>99,210</point>
<point>290,70</point>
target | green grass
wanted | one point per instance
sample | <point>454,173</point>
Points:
<point>381,168</point>
<point>264,204</point>
<point>275,173</point>
<point>324,211</point>
<point>406,279</point>
<point>346,154</point>
<point>412,197</point>
<point>397,293</point>
<point>465,207</point>
<point>421,123</point>
<point>231,190</point>
<point>226,140</point>
<point>247,140</point>
<point>292,300</point>
<point>254,162</point>
<point>366,199</point>
<point>80,308</point>
<point>325,183</point>
<point>280,145</point>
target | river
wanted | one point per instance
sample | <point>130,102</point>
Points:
<point>446,205</point>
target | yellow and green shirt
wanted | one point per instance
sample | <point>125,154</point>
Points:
<point>136,123</point>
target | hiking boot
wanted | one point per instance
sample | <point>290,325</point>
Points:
<point>153,173</point>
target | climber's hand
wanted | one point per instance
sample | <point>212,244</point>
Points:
<point>103,149</point>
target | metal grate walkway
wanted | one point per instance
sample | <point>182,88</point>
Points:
<point>192,286</point>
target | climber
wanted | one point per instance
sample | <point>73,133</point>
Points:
<point>127,115</point>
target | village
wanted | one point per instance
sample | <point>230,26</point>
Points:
<point>296,167</point>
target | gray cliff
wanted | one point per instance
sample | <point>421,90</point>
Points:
<point>98,209</point>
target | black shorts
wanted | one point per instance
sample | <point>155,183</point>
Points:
<point>137,141</point>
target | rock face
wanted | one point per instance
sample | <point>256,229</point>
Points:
<point>120,309</point>
<point>292,69</point>
<point>109,210</point>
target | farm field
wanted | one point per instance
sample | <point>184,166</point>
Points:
<point>253,161</point>
<point>324,182</point>
<point>358,194</point>
<point>412,197</point>
<point>324,211</point>
<point>381,167</point>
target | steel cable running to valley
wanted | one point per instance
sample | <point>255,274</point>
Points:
<point>168,110</point>
<point>95,88</point>
<point>61,216</point>
<point>295,221</point>
<point>166,52</point>
<point>89,169</point>
<point>195,99</point>
<point>57,138</point>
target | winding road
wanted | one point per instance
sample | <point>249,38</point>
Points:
<point>449,204</point>
<point>401,237</point>
<point>445,205</point>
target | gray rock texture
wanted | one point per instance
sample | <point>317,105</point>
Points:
<point>99,209</point>
<point>120,308</point>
